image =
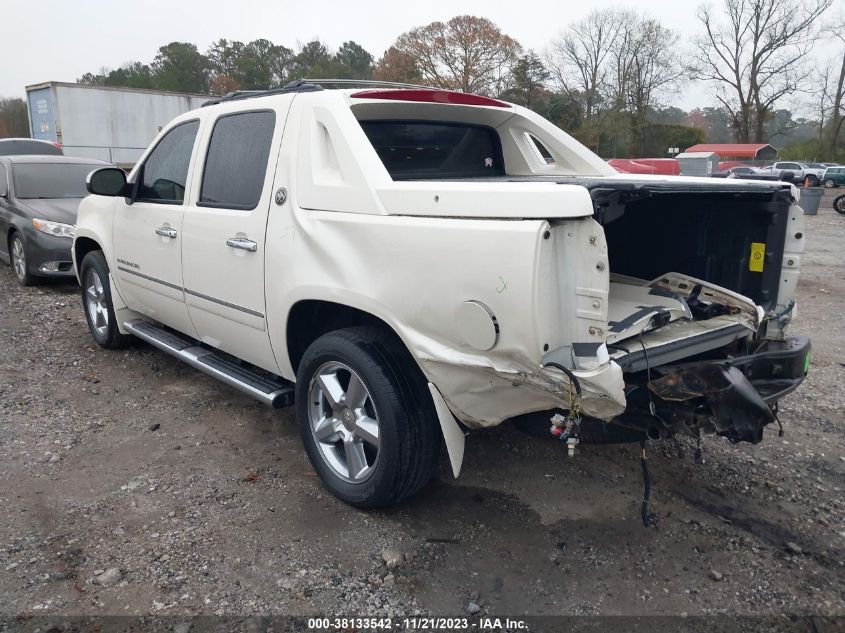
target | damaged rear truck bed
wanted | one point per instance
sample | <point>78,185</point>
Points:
<point>409,264</point>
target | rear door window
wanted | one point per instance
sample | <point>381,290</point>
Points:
<point>236,163</point>
<point>435,150</point>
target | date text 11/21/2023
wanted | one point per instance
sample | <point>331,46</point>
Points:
<point>417,623</point>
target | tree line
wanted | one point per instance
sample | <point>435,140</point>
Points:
<point>607,79</point>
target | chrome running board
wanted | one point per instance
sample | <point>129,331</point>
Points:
<point>259,384</point>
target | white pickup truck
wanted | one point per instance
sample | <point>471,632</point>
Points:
<point>796,172</point>
<point>406,264</point>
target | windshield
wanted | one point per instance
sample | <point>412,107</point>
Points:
<point>52,180</point>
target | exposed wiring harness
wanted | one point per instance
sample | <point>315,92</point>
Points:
<point>566,428</point>
<point>774,317</point>
<point>573,381</point>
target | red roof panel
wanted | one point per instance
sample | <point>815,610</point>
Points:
<point>732,150</point>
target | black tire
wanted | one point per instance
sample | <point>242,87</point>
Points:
<point>839,204</point>
<point>105,332</point>
<point>829,183</point>
<point>408,429</point>
<point>19,260</point>
<point>812,180</point>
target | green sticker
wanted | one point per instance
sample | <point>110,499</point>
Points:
<point>807,363</point>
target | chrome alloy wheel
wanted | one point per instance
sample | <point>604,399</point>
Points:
<point>344,421</point>
<point>19,257</point>
<point>95,302</point>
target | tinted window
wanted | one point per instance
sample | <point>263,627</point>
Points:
<point>16,147</point>
<point>164,174</point>
<point>544,152</point>
<point>237,160</point>
<point>51,180</point>
<point>435,150</point>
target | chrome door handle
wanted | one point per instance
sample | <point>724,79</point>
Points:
<point>166,231</point>
<point>242,243</point>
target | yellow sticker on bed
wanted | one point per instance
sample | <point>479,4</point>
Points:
<point>758,255</point>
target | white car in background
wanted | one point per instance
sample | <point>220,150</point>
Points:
<point>816,171</point>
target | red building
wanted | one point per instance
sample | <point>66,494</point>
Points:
<point>746,152</point>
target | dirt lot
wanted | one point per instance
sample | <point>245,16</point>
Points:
<point>132,484</point>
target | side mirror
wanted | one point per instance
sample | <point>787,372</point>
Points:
<point>108,181</point>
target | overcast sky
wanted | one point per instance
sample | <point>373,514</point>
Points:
<point>60,40</point>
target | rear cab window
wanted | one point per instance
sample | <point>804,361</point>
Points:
<point>435,149</point>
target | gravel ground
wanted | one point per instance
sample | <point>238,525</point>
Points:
<point>131,484</point>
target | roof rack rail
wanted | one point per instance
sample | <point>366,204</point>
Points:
<point>312,85</point>
<point>374,83</point>
<point>298,85</point>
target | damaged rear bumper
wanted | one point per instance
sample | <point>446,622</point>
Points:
<point>728,394</point>
<point>732,397</point>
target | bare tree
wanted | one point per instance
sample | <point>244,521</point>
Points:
<point>616,64</point>
<point>622,55</point>
<point>466,53</point>
<point>821,97</point>
<point>578,59</point>
<point>651,68</point>
<point>837,89</point>
<point>754,56</point>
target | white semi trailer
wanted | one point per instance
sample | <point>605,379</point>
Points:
<point>113,124</point>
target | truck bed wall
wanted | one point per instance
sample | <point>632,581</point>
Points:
<point>708,236</point>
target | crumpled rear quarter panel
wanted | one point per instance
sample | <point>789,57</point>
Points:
<point>414,273</point>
